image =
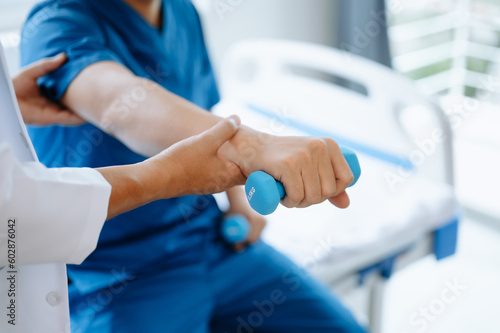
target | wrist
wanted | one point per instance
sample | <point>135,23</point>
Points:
<point>244,148</point>
<point>155,177</point>
<point>132,187</point>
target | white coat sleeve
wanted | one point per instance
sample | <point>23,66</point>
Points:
<point>58,214</point>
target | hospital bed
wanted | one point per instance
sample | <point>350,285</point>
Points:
<point>403,208</point>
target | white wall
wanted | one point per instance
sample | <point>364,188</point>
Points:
<point>228,21</point>
<point>13,13</point>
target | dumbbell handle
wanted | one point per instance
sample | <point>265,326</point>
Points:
<point>264,192</point>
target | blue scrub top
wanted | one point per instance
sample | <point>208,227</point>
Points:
<point>166,232</point>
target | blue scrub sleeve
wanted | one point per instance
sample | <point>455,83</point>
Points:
<point>54,29</point>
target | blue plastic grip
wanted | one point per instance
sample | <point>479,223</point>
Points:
<point>352,160</point>
<point>264,192</point>
<point>235,228</point>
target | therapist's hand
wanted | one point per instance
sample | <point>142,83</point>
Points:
<point>191,166</point>
<point>196,165</point>
<point>35,108</point>
<point>312,170</point>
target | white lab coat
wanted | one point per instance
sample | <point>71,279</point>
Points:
<point>58,216</point>
<point>58,213</point>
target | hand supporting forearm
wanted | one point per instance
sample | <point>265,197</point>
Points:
<point>191,166</point>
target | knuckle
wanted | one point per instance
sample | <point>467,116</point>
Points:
<point>317,147</point>
<point>329,190</point>
<point>316,144</point>
<point>296,196</point>
<point>290,162</point>
<point>314,198</point>
<point>350,178</point>
<point>330,142</point>
<point>345,180</point>
<point>288,204</point>
<point>303,155</point>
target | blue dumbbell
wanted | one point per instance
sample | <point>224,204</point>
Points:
<point>264,192</point>
<point>235,228</point>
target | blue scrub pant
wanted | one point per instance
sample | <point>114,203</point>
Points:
<point>258,290</point>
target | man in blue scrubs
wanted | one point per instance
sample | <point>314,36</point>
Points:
<point>138,72</point>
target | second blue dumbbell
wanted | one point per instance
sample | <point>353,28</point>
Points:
<point>264,192</point>
<point>235,229</point>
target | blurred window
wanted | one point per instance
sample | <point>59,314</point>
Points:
<point>446,46</point>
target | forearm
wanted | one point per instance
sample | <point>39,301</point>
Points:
<point>237,199</point>
<point>131,186</point>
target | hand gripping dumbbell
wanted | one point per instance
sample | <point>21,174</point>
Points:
<point>264,192</point>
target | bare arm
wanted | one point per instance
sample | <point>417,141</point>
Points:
<point>142,114</point>
<point>147,118</point>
